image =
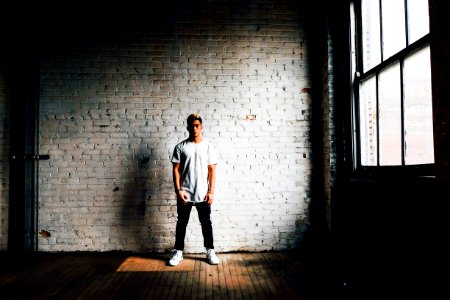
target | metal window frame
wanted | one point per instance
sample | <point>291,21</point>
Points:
<point>422,169</point>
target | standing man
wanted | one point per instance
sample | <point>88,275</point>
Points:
<point>194,175</point>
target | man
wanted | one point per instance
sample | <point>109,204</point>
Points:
<point>194,175</point>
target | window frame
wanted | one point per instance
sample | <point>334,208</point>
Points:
<point>358,75</point>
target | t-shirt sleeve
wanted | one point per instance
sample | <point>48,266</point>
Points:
<point>212,155</point>
<point>176,154</point>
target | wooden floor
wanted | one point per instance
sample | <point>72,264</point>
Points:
<point>271,275</point>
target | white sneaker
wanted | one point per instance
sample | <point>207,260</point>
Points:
<point>212,257</point>
<point>177,257</point>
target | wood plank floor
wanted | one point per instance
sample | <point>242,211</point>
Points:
<point>118,275</point>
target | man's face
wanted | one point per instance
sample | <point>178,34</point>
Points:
<point>195,128</point>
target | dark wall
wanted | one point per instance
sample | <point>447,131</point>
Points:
<point>388,229</point>
<point>440,62</point>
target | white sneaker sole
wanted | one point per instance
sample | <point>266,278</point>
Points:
<point>174,264</point>
<point>213,262</point>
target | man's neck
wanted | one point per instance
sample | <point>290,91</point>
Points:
<point>196,139</point>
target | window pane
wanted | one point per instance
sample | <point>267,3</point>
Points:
<point>393,16</point>
<point>418,19</point>
<point>390,118</point>
<point>368,121</point>
<point>371,33</point>
<point>418,108</point>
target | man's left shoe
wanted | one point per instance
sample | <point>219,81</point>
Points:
<point>212,257</point>
<point>177,257</point>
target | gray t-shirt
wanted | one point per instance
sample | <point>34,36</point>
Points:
<point>194,159</point>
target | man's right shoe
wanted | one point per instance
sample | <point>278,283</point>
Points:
<point>212,257</point>
<point>177,257</point>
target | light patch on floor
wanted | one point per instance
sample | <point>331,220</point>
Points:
<point>152,264</point>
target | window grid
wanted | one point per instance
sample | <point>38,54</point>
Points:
<point>375,71</point>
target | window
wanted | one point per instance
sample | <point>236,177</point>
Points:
<point>392,104</point>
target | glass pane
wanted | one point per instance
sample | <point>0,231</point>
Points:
<point>368,121</point>
<point>393,16</point>
<point>418,19</point>
<point>370,33</point>
<point>418,108</point>
<point>390,120</point>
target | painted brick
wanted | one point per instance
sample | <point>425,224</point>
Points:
<point>110,117</point>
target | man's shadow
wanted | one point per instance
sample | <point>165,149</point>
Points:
<point>140,208</point>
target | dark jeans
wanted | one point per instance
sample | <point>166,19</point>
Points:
<point>204,215</point>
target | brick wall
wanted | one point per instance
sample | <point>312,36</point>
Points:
<point>4,161</point>
<point>329,140</point>
<point>323,135</point>
<point>113,108</point>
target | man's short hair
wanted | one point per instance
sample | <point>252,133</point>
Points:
<point>192,118</point>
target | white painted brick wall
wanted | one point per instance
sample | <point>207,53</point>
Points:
<point>112,112</point>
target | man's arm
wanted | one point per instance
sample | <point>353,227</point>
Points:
<point>212,181</point>
<point>177,182</point>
